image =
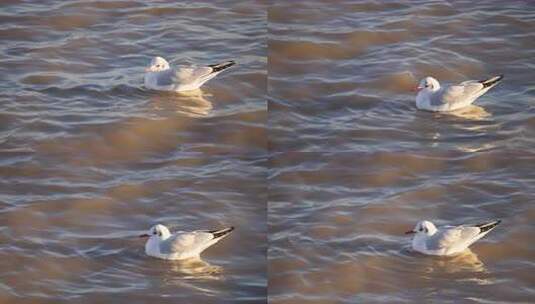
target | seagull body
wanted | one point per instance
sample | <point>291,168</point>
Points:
<point>432,97</point>
<point>160,76</point>
<point>181,245</point>
<point>449,240</point>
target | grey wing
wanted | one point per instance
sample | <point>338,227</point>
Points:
<point>182,76</point>
<point>452,237</point>
<point>458,93</point>
<point>186,76</point>
<point>183,242</point>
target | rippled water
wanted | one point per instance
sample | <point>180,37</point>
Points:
<point>315,129</point>
<point>354,165</point>
<point>337,223</point>
<point>89,158</point>
<point>340,74</point>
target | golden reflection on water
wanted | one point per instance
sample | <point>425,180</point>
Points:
<point>194,268</point>
<point>460,120</point>
<point>191,103</point>
<point>472,112</point>
<point>186,274</point>
<point>467,261</point>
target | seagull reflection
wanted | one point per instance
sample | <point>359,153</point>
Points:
<point>467,261</point>
<point>471,112</point>
<point>190,103</point>
<point>194,269</point>
<point>188,273</point>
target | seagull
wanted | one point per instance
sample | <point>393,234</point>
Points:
<point>160,76</point>
<point>449,240</point>
<point>181,245</point>
<point>432,97</point>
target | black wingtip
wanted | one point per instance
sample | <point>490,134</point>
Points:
<point>491,81</point>
<point>488,225</point>
<point>222,66</point>
<point>222,232</point>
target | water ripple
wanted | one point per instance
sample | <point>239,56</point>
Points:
<point>90,158</point>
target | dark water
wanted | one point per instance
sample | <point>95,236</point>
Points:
<point>89,158</point>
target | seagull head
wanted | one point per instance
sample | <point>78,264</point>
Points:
<point>157,232</point>
<point>429,84</point>
<point>423,228</point>
<point>157,64</point>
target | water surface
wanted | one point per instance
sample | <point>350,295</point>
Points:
<point>353,164</point>
<point>341,74</point>
<point>337,223</point>
<point>89,158</point>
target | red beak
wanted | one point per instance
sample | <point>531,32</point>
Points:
<point>410,232</point>
<point>144,235</point>
<point>416,89</point>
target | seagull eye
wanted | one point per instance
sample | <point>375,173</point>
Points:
<point>421,229</point>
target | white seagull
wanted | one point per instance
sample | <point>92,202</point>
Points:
<point>432,97</point>
<point>181,245</point>
<point>160,76</point>
<point>449,240</point>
